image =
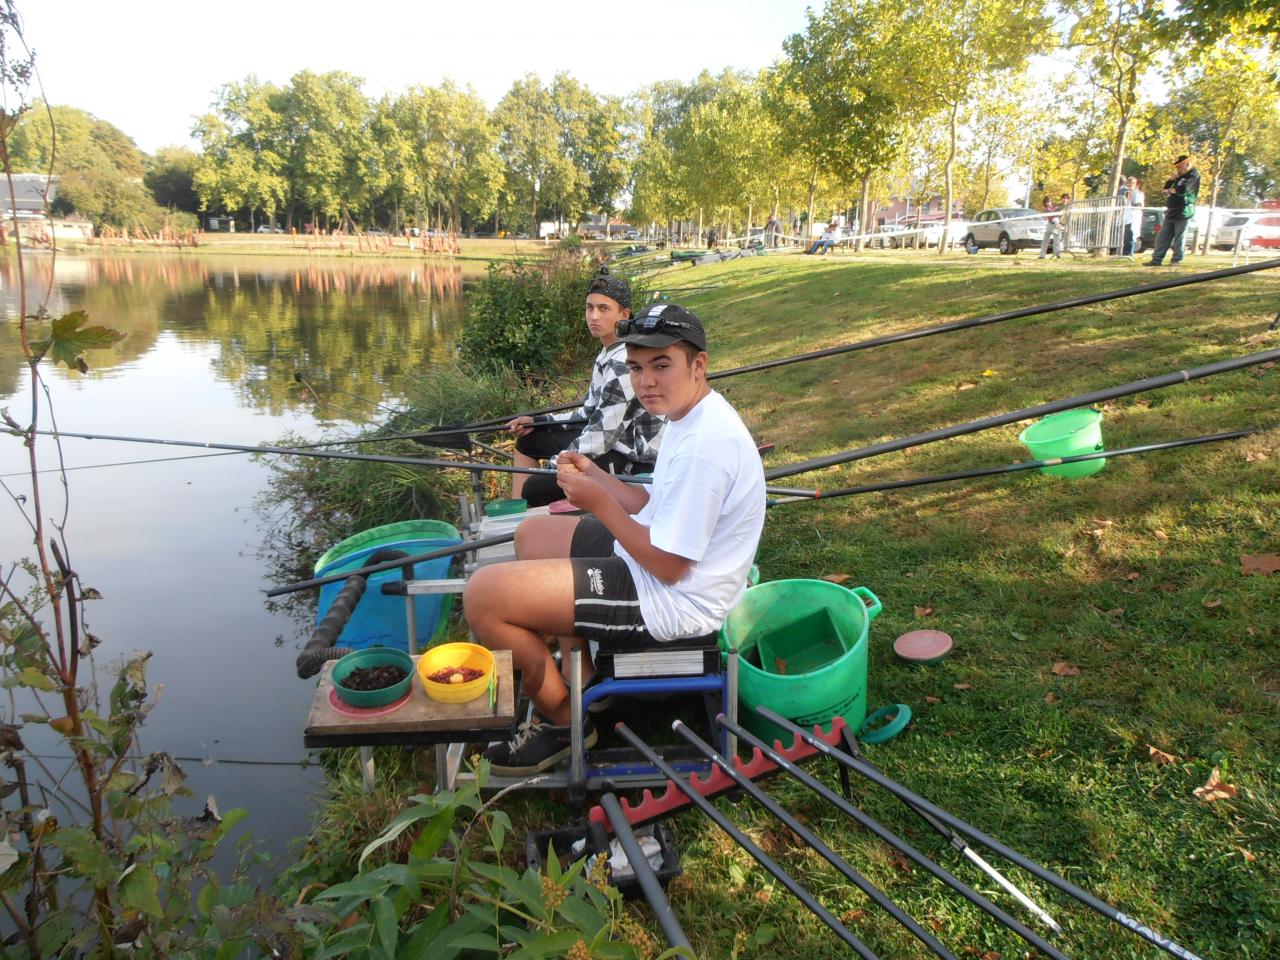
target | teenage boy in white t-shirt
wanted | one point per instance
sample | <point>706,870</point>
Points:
<point>654,564</point>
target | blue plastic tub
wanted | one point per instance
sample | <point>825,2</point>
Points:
<point>379,619</point>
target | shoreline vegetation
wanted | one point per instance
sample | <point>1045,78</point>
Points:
<point>1115,642</point>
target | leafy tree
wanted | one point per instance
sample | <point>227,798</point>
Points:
<point>331,160</point>
<point>1221,106</point>
<point>529,144</point>
<point>1119,43</point>
<point>1206,22</point>
<point>243,160</point>
<point>836,94</point>
<point>170,177</point>
<point>946,48</point>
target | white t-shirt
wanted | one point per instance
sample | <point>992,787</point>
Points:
<point>1136,200</point>
<point>706,504</point>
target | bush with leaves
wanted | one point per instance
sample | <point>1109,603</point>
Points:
<point>454,896</point>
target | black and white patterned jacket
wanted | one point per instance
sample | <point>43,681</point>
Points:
<point>615,418</point>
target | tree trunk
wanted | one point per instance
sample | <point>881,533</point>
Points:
<point>813,189</point>
<point>947,179</point>
<point>1213,202</point>
<point>750,210</point>
<point>863,218</point>
<point>1117,157</point>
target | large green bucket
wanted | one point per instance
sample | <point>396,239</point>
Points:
<point>1067,434</point>
<point>803,653</point>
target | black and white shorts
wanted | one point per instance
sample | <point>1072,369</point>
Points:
<point>606,606</point>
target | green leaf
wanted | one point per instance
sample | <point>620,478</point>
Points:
<point>207,898</point>
<point>69,338</point>
<point>477,941</point>
<point>8,855</point>
<point>582,915</point>
<point>426,932</point>
<point>554,944</point>
<point>432,837</point>
<point>139,889</point>
<point>763,936</point>
<point>87,856</point>
<point>30,677</point>
<point>53,934</point>
<point>386,923</point>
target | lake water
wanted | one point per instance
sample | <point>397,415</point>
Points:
<point>212,349</point>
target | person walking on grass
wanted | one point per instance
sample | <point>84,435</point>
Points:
<point>1133,216</point>
<point>619,435</point>
<point>1180,193</point>
<point>653,566</point>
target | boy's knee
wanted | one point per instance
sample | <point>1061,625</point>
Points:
<point>478,599</point>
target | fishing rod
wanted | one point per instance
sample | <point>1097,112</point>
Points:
<point>915,800</point>
<point>892,839</point>
<point>745,842</point>
<point>795,826</point>
<point>1057,305</point>
<point>471,465</point>
<point>1024,465</point>
<point>1027,413</point>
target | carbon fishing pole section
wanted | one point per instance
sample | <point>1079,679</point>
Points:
<point>1172,283</point>
<point>1026,413</point>
<point>1019,467</point>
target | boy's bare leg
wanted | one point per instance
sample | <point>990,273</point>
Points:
<point>509,606</point>
<point>518,479</point>
<point>542,538</point>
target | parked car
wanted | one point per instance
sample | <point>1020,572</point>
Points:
<point>1006,229</point>
<point>375,232</point>
<point>885,235</point>
<point>930,233</point>
<point>632,234</point>
<point>269,228</point>
<point>1258,228</point>
<point>1152,221</point>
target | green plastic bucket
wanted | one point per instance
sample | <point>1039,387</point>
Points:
<point>803,653</point>
<point>1067,434</point>
<point>505,508</point>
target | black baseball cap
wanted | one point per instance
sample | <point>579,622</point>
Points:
<point>662,324</point>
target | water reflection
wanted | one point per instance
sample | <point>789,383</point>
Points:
<point>350,328</point>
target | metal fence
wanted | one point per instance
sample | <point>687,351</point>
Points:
<point>1096,225</point>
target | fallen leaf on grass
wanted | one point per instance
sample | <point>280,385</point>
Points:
<point>989,373</point>
<point>932,700</point>
<point>1133,576</point>
<point>836,577</point>
<point>1255,456</point>
<point>1250,857</point>
<point>1161,535</point>
<point>1210,604</point>
<point>1050,697</point>
<point>1264,563</point>
<point>966,386</point>
<point>901,862</point>
<point>1064,669</point>
<point>1159,756</point>
<point>962,686</point>
<point>852,916</point>
<point>1114,612</point>
<point>923,611</point>
<point>1215,789</point>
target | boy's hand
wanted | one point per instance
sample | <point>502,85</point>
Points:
<point>578,485</point>
<point>521,426</point>
<point>579,463</point>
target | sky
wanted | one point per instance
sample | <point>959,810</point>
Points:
<point>151,66</point>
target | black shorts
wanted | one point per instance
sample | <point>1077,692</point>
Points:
<point>544,443</point>
<point>606,606</point>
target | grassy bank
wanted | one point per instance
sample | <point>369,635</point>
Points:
<point>1132,577</point>
<point>1094,619</point>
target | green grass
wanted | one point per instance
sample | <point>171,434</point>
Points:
<point>1131,575</point>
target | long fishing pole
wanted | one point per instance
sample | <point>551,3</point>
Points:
<point>1048,876</point>
<point>1027,413</point>
<point>1057,305</point>
<point>795,826</point>
<point>745,842</point>
<point>472,465</point>
<point>893,840</point>
<point>1023,465</point>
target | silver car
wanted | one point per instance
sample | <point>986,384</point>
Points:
<point>1008,229</point>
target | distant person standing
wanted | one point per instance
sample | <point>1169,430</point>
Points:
<point>713,238</point>
<point>1180,193</point>
<point>1133,216</point>
<point>1055,231</point>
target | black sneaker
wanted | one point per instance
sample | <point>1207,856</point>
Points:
<point>1152,263</point>
<point>537,746</point>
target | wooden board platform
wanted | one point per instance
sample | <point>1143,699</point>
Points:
<point>420,720</point>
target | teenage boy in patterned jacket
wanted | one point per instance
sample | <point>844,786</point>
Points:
<point>655,564</point>
<point>619,435</point>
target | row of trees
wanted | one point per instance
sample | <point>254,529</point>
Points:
<point>875,99</point>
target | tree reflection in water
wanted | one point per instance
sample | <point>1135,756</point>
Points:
<point>351,328</point>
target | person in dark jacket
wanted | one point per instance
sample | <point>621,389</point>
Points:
<point>1180,194</point>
